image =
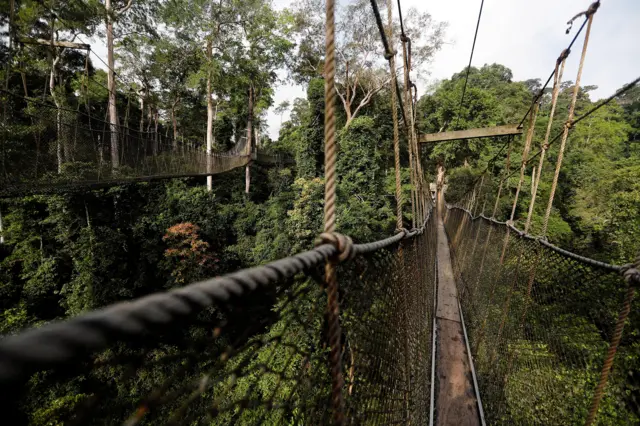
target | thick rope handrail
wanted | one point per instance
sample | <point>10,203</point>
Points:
<point>60,343</point>
<point>587,260</point>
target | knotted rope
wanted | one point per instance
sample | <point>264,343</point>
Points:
<point>331,281</point>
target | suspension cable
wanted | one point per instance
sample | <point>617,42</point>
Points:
<point>541,92</point>
<point>466,79</point>
<point>388,52</point>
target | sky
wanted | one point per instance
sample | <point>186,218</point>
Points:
<point>526,36</point>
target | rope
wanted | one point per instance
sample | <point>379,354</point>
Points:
<point>618,93</point>
<point>545,145</point>
<point>504,177</point>
<point>415,203</point>
<point>525,155</point>
<point>632,277</point>
<point>61,343</point>
<point>389,56</point>
<point>541,92</point>
<point>466,79</point>
<point>569,122</point>
<point>388,53</point>
<point>331,280</point>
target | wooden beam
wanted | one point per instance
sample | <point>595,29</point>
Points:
<point>44,42</point>
<point>485,132</point>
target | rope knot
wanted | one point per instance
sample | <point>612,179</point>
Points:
<point>568,124</point>
<point>593,8</point>
<point>404,38</point>
<point>389,54</point>
<point>632,276</point>
<point>545,147</point>
<point>404,231</point>
<point>564,55</point>
<point>342,243</point>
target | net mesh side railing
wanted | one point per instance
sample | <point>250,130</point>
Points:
<point>45,148</point>
<point>539,324</point>
<point>249,348</point>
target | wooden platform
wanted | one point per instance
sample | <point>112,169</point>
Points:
<point>485,132</point>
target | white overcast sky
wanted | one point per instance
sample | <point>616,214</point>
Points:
<point>526,36</point>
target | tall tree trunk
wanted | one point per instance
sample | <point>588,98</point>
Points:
<point>142,112</point>
<point>111,86</point>
<point>175,123</point>
<point>210,114</point>
<point>125,142</point>
<point>1,229</point>
<point>247,174</point>
<point>56,101</point>
<point>155,133</point>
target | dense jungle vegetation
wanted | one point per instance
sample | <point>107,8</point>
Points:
<point>179,64</point>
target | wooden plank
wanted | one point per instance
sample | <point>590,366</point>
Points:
<point>485,132</point>
<point>456,402</point>
<point>44,42</point>
<point>447,307</point>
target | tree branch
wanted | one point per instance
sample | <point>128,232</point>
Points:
<point>125,8</point>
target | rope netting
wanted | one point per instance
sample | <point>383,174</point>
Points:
<point>248,348</point>
<point>540,321</point>
<point>46,148</point>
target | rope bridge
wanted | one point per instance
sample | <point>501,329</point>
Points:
<point>344,333</point>
<point>49,149</point>
<point>205,349</point>
<point>537,338</point>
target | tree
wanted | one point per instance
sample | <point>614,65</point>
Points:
<point>282,108</point>
<point>361,70</point>
<point>139,15</point>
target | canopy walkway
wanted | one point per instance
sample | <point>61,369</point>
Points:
<point>71,150</point>
<point>457,318</point>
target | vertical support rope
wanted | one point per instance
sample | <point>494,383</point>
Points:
<point>632,277</point>
<point>390,55</point>
<point>504,177</point>
<point>525,156</point>
<point>331,281</point>
<point>394,114</point>
<point>545,145</point>
<point>523,166</point>
<point>416,210</point>
<point>576,88</point>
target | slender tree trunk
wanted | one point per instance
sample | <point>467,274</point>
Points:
<point>175,124</point>
<point>59,136</point>
<point>111,86</point>
<point>247,174</point>
<point>142,113</point>
<point>1,229</point>
<point>210,114</point>
<point>155,133</point>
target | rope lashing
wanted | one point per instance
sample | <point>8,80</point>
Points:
<point>593,7</point>
<point>342,243</point>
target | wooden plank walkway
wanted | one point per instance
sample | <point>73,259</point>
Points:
<point>456,403</point>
